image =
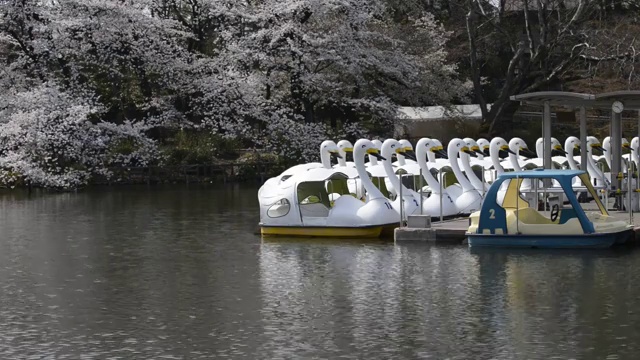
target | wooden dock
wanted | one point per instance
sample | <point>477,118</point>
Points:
<point>453,231</point>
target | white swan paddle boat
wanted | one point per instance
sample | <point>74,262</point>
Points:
<point>300,204</point>
<point>510,222</point>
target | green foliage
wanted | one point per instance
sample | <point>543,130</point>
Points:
<point>259,164</point>
<point>199,147</point>
<point>125,146</point>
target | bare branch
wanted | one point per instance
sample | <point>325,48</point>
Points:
<point>627,55</point>
<point>473,57</point>
<point>527,24</point>
<point>559,69</point>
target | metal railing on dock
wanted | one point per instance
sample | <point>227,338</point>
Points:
<point>405,217</point>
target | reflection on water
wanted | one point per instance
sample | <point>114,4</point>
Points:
<point>176,272</point>
<point>360,300</point>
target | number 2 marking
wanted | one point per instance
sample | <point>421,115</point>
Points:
<point>492,214</point>
<point>416,202</point>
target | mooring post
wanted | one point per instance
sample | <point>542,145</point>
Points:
<point>421,185</point>
<point>629,193</point>
<point>483,182</point>
<point>401,201</point>
<point>440,194</point>
<point>517,206</point>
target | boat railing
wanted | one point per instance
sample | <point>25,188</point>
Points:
<point>518,207</point>
<point>401,200</point>
<point>420,190</point>
<point>403,216</point>
<point>440,195</point>
<point>630,195</point>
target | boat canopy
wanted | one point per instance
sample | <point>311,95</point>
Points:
<point>319,174</point>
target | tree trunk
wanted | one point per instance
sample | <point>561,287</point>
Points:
<point>309,113</point>
<point>499,119</point>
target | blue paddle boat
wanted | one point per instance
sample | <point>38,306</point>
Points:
<point>507,219</point>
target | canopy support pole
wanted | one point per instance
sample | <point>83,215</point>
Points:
<point>616,156</point>
<point>546,134</point>
<point>583,139</point>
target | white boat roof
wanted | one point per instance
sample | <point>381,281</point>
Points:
<point>377,171</point>
<point>319,174</point>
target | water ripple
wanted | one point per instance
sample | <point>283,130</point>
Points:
<point>176,273</point>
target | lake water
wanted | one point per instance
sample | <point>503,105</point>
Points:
<point>177,273</point>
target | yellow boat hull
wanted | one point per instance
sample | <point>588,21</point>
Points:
<point>345,232</point>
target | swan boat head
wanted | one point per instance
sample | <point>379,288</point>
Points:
<point>556,148</point>
<point>408,149</point>
<point>499,148</point>
<point>474,147</point>
<point>391,147</point>
<point>484,146</point>
<point>519,147</point>
<point>440,152</point>
<point>406,153</point>
<point>571,144</point>
<point>606,154</point>
<point>373,161</point>
<point>344,147</point>
<point>456,148</point>
<point>594,143</point>
<point>594,171</point>
<point>634,146</point>
<point>328,148</point>
<point>426,148</point>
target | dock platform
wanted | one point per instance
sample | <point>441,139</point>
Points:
<point>445,232</point>
<point>453,231</point>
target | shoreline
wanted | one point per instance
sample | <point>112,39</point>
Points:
<point>178,174</point>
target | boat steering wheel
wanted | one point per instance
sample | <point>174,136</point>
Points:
<point>555,211</point>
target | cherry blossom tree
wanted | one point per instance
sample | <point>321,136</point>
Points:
<point>319,66</point>
<point>87,81</point>
<point>51,139</point>
<point>83,78</point>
